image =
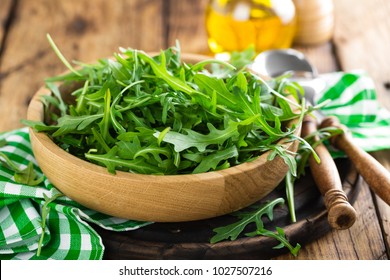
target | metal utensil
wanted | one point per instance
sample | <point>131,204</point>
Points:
<point>272,63</point>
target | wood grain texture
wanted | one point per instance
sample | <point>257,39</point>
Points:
<point>361,41</point>
<point>191,240</point>
<point>186,23</point>
<point>341,215</point>
<point>383,208</point>
<point>83,30</point>
<point>365,45</point>
<point>351,243</point>
<point>374,173</point>
<point>363,241</point>
<point>321,57</point>
<point>5,14</point>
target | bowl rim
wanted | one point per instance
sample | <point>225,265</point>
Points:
<point>35,112</point>
<point>224,182</point>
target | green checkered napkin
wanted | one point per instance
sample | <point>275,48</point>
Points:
<point>69,234</point>
<point>353,100</point>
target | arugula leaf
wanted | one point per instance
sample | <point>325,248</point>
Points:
<point>112,162</point>
<point>211,85</point>
<point>68,124</point>
<point>200,141</point>
<point>211,161</point>
<point>154,151</point>
<point>281,237</point>
<point>161,71</point>
<point>243,58</point>
<point>289,180</point>
<point>287,157</point>
<point>44,214</point>
<point>9,164</point>
<point>119,71</point>
<point>105,122</point>
<point>128,149</point>
<point>3,142</point>
<point>60,104</point>
<point>26,176</point>
<point>81,99</point>
<point>59,54</point>
<point>232,231</point>
<point>201,64</point>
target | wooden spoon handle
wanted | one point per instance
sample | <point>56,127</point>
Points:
<point>374,173</point>
<point>341,215</point>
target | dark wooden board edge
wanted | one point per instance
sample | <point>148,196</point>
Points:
<point>190,240</point>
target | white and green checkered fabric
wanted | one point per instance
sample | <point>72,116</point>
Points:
<point>69,234</point>
<point>353,100</point>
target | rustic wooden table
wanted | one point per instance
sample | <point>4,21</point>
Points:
<point>87,30</point>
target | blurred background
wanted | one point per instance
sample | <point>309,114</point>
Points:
<point>333,34</point>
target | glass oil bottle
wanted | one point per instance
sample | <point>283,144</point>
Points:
<point>234,25</point>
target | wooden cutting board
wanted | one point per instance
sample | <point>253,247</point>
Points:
<point>190,240</point>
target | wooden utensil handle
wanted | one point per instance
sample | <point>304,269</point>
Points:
<point>341,215</point>
<point>374,173</point>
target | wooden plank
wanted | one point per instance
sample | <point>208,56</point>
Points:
<point>383,208</point>
<point>191,240</point>
<point>365,45</point>
<point>83,30</point>
<point>363,241</point>
<point>88,30</point>
<point>321,56</point>
<point>354,243</point>
<point>5,13</point>
<point>186,23</point>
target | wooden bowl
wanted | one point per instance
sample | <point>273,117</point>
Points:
<point>158,198</point>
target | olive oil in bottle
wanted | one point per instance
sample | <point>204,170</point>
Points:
<point>234,25</point>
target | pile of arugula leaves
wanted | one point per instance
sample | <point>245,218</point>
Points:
<point>161,115</point>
